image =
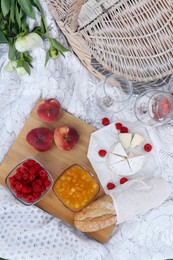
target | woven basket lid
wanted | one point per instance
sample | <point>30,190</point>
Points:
<point>132,38</point>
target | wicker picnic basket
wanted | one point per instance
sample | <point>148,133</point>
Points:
<point>131,38</point>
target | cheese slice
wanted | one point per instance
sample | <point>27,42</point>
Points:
<point>123,169</point>
<point>125,140</point>
<point>116,168</point>
<point>118,150</point>
<point>136,163</point>
<point>136,140</point>
<point>113,159</point>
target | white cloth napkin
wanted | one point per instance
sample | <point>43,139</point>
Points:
<point>137,197</point>
<point>104,138</point>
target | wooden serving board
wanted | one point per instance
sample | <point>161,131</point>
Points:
<point>55,161</point>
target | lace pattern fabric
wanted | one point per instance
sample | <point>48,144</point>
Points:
<point>30,233</point>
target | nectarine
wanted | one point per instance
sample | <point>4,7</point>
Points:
<point>65,137</point>
<point>49,110</point>
<point>40,138</point>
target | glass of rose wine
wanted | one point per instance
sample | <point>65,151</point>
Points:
<point>154,107</point>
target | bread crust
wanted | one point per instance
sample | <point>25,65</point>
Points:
<point>99,214</point>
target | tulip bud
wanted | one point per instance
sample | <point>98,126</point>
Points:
<point>53,53</point>
<point>11,65</point>
<point>28,42</point>
<point>21,71</point>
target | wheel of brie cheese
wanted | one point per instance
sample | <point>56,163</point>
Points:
<point>120,161</point>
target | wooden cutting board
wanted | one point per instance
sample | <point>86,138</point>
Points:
<point>55,161</point>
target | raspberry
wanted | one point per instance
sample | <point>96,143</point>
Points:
<point>43,188</point>
<point>24,170</point>
<point>39,181</point>
<point>11,180</point>
<point>19,194</point>
<point>36,188</point>
<point>47,183</point>
<point>123,180</point>
<point>37,195</point>
<point>31,177</point>
<point>31,162</point>
<point>102,153</point>
<point>30,198</point>
<point>18,186</point>
<point>105,121</point>
<point>124,130</point>
<point>32,170</point>
<point>110,186</point>
<point>25,165</point>
<point>13,185</point>
<point>26,176</point>
<point>147,147</point>
<point>43,174</point>
<point>118,126</point>
<point>18,175</point>
<point>25,189</point>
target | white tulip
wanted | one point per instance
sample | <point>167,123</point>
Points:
<point>11,65</point>
<point>28,42</point>
<point>21,71</point>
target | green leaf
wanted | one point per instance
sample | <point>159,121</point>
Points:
<point>27,8</point>
<point>17,14</point>
<point>47,58</point>
<point>36,3</point>
<point>58,46</point>
<point>12,52</point>
<point>26,67</point>
<point>12,10</point>
<point>3,39</point>
<point>5,6</point>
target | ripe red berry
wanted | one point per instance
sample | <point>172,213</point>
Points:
<point>30,162</point>
<point>110,186</point>
<point>36,195</point>
<point>11,179</point>
<point>26,176</point>
<point>24,169</point>
<point>43,188</point>
<point>43,174</point>
<point>105,121</point>
<point>32,170</point>
<point>123,180</point>
<point>102,153</point>
<point>19,194</point>
<point>118,126</point>
<point>147,147</point>
<point>30,198</point>
<point>18,186</point>
<point>36,188</point>
<point>47,183</point>
<point>124,130</point>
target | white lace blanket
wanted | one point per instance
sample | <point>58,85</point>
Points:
<point>30,233</point>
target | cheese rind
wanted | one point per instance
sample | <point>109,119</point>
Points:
<point>118,150</point>
<point>125,139</point>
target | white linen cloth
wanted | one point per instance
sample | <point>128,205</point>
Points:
<point>30,233</point>
<point>138,196</point>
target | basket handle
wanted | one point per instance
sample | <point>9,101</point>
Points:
<point>73,13</point>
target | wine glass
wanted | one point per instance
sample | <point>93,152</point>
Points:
<point>113,93</point>
<point>154,107</point>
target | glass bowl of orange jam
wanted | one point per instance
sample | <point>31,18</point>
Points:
<point>76,187</point>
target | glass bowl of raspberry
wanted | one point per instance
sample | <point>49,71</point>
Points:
<point>29,181</point>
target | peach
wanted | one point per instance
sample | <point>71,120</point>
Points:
<point>49,110</point>
<point>65,137</point>
<point>40,138</point>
